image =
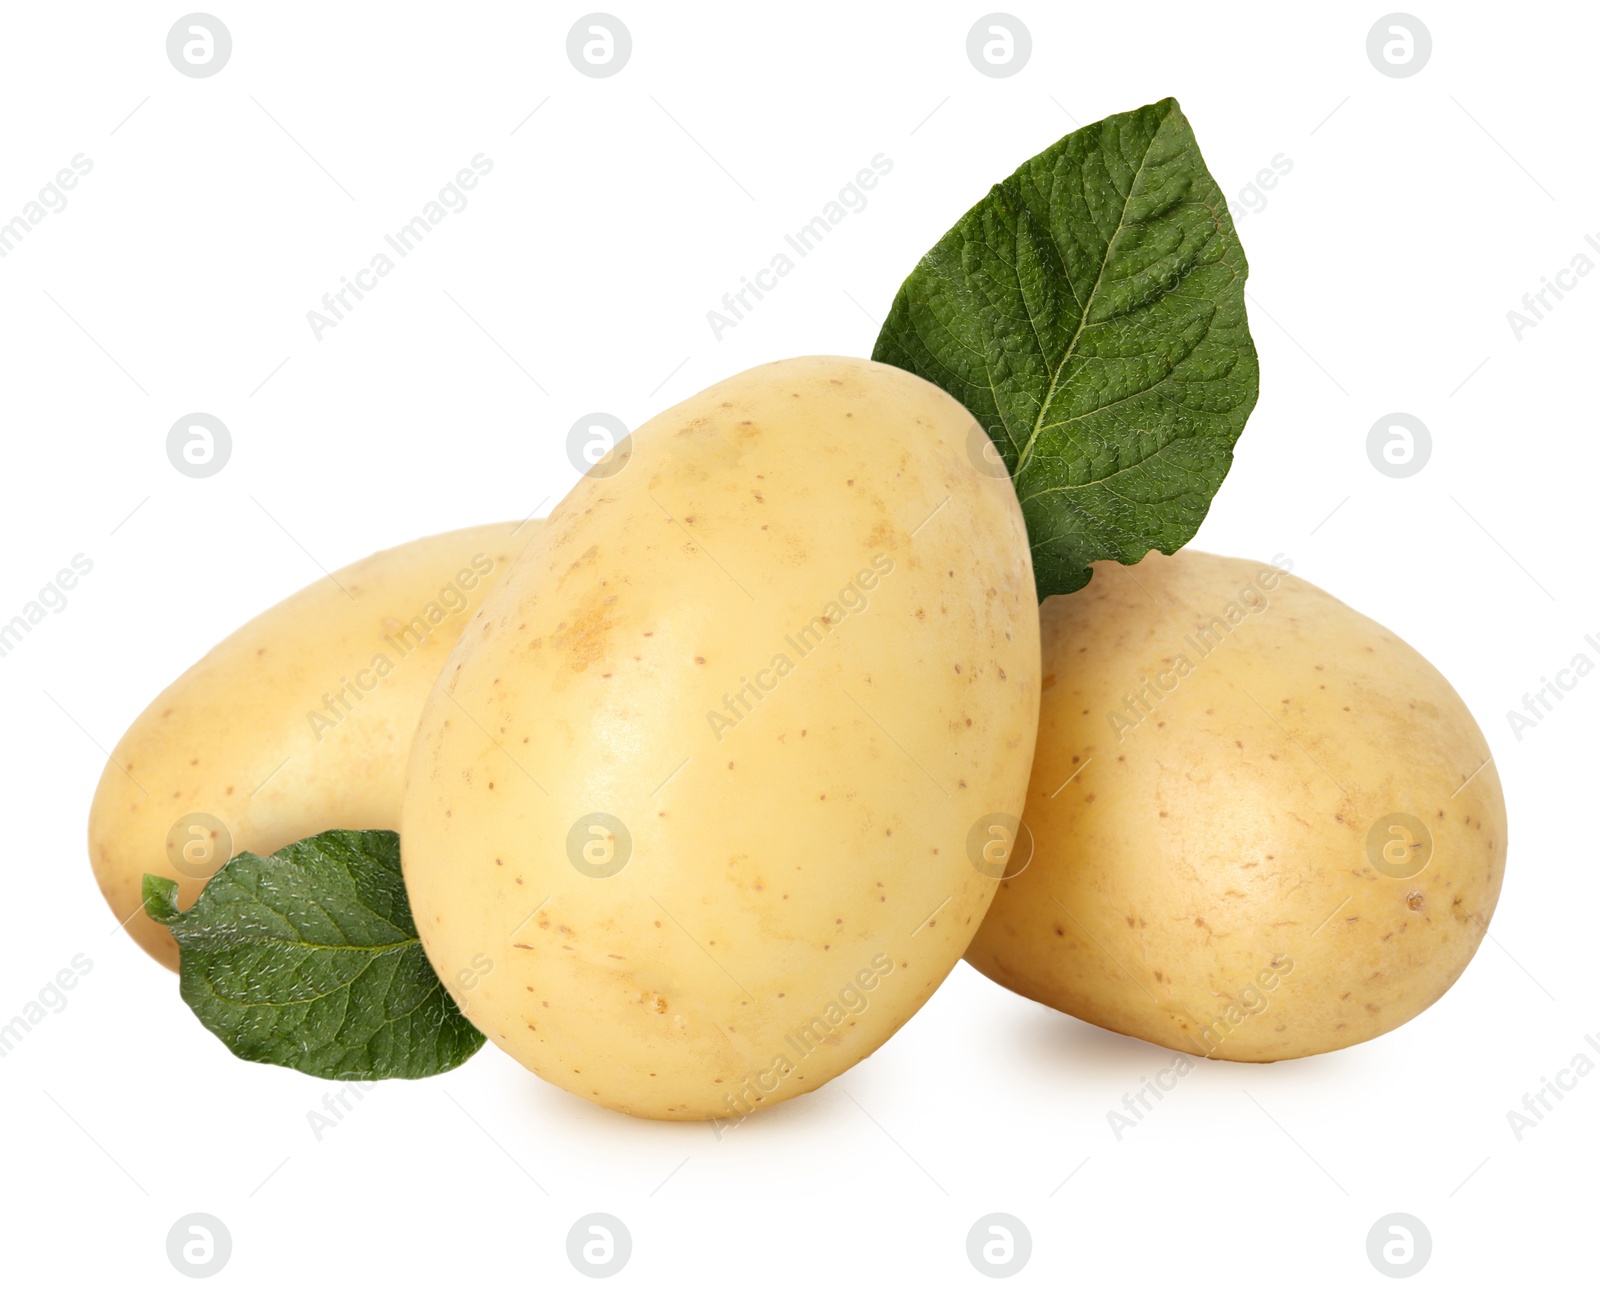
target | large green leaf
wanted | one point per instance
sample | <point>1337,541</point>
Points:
<point>310,959</point>
<point>1090,313</point>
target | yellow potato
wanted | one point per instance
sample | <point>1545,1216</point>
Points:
<point>1263,826</point>
<point>688,815</point>
<point>299,722</point>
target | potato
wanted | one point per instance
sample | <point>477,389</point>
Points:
<point>299,722</point>
<point>1262,825</point>
<point>688,815</point>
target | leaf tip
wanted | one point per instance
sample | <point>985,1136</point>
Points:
<point>160,899</point>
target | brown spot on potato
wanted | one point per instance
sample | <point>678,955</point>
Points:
<point>586,637</point>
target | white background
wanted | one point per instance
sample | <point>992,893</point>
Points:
<point>178,279</point>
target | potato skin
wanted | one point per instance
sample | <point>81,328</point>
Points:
<point>1202,875</point>
<point>798,867</point>
<point>240,718</point>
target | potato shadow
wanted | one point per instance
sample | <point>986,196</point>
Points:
<point>1056,1043</point>
<point>798,1116</point>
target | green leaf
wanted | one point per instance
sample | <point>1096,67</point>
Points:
<point>160,897</point>
<point>310,959</point>
<point>1090,313</point>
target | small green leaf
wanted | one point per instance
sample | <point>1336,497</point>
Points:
<point>310,959</point>
<point>1090,313</point>
<point>160,899</point>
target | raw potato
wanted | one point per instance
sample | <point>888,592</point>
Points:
<point>1215,865</point>
<point>299,722</point>
<point>794,881</point>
